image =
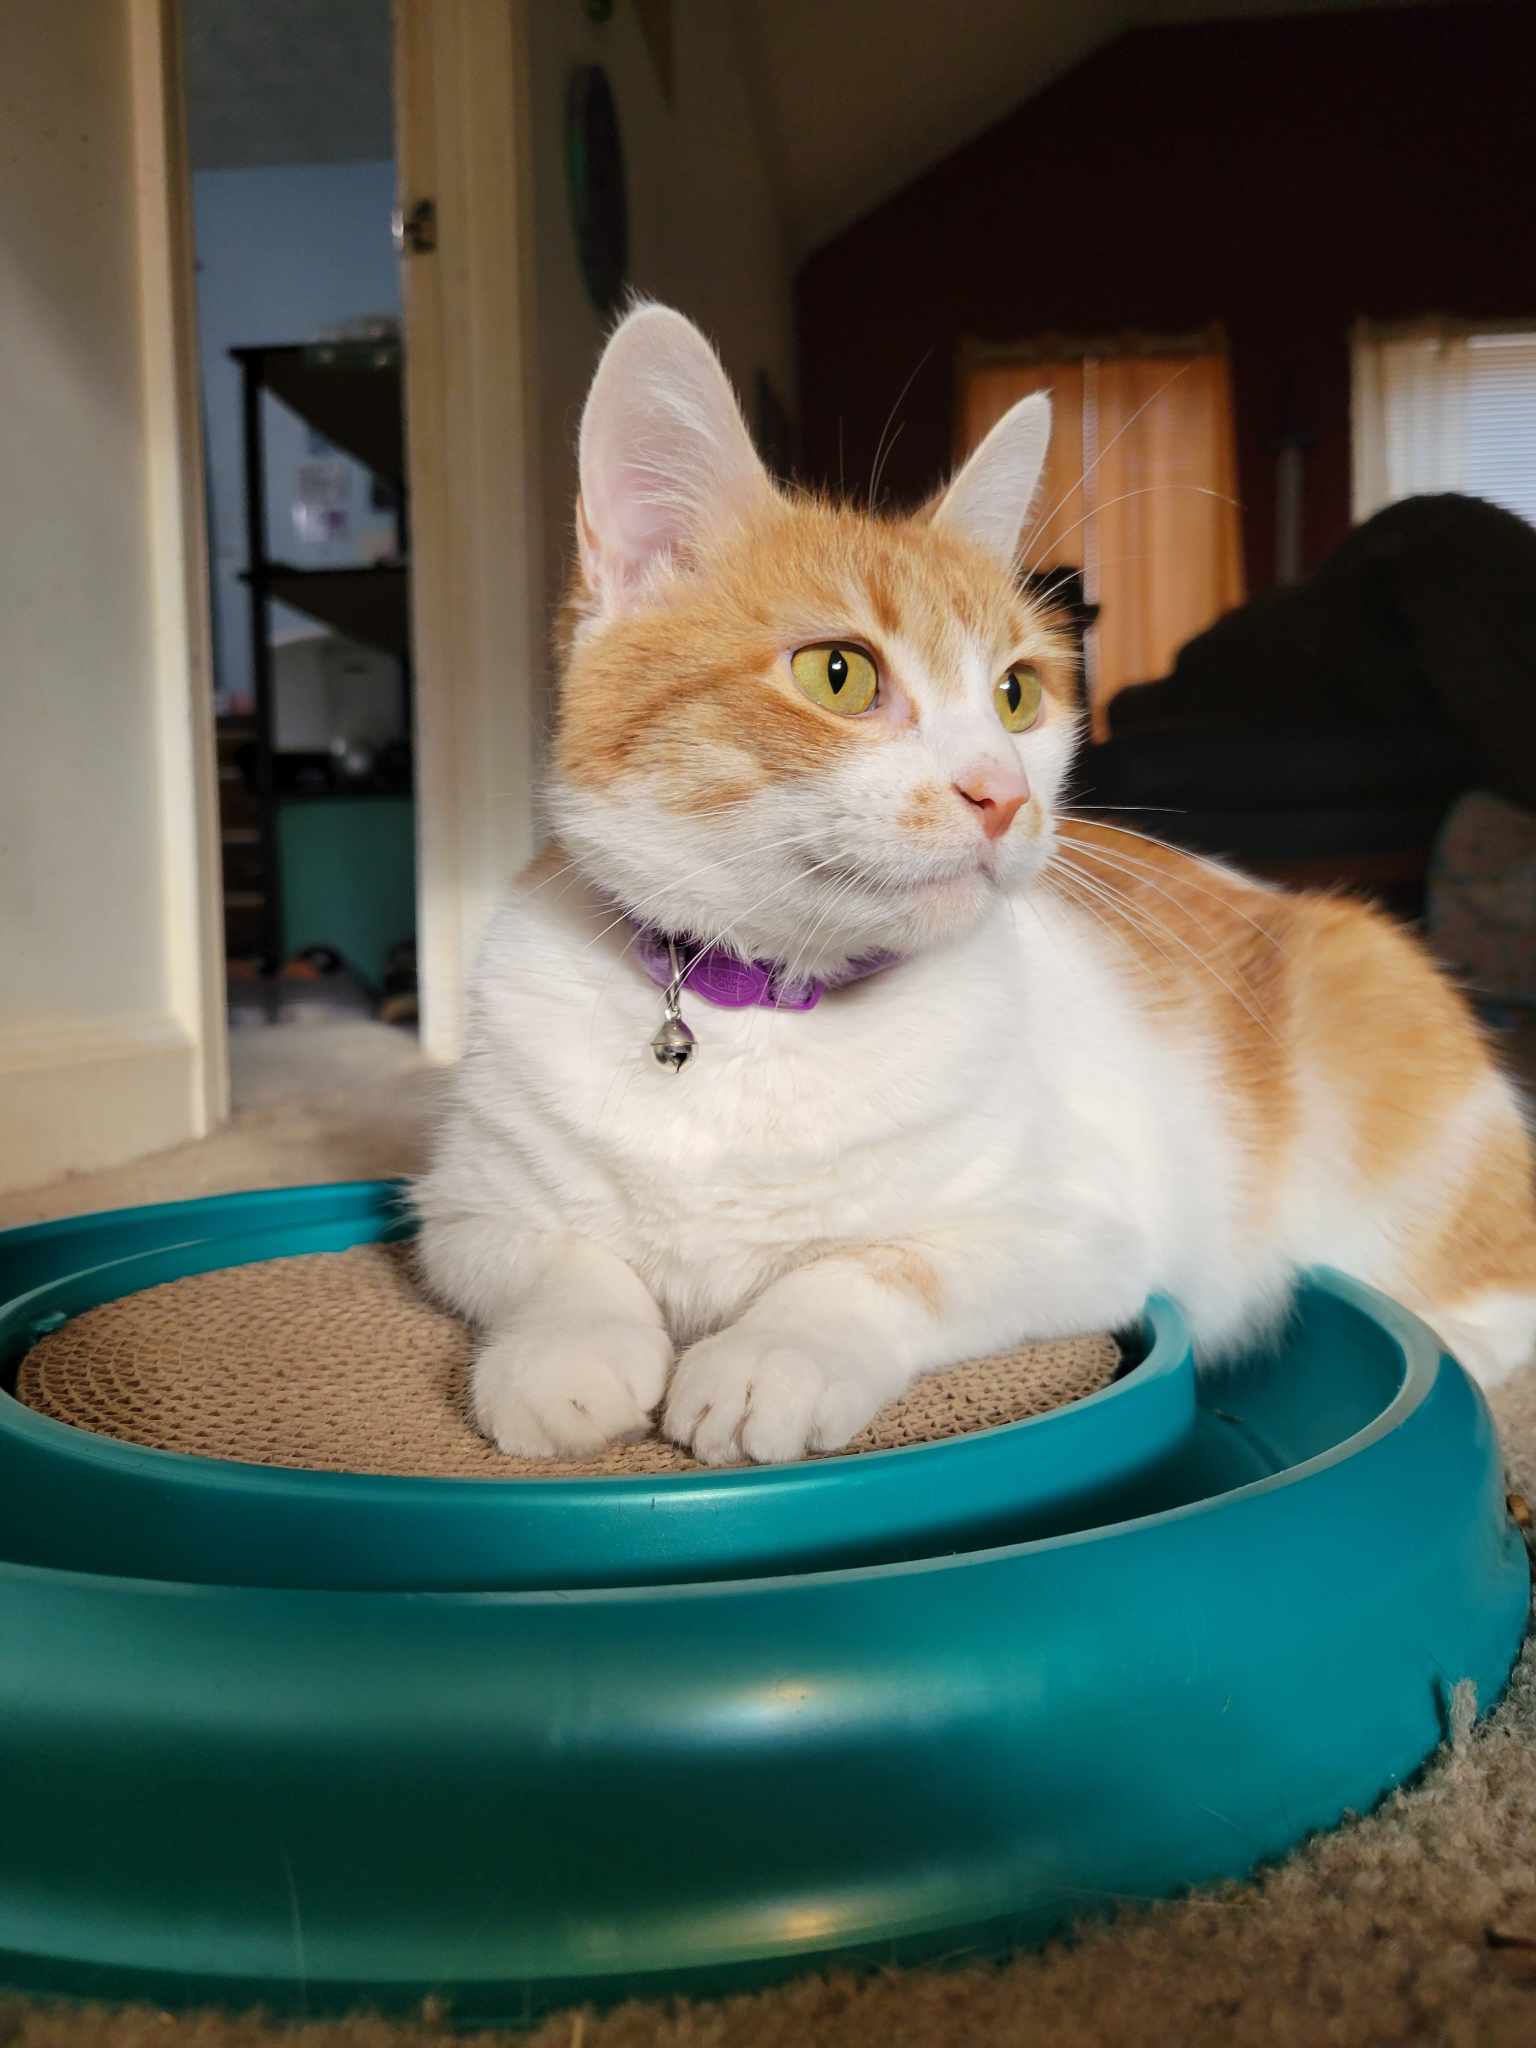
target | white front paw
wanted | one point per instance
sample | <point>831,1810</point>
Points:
<point>552,1388</point>
<point>767,1396</point>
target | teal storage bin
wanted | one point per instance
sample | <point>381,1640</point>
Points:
<point>314,1740</point>
<point>347,869</point>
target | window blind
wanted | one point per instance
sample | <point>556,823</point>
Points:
<point>1499,421</point>
<point>1444,409</point>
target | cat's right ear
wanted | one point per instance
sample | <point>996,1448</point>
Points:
<point>665,455</point>
<point>989,498</point>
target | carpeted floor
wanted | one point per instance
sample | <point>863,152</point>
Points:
<point>1416,1924</point>
<point>312,1102</point>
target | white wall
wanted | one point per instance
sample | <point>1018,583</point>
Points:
<point>704,225</point>
<point>96,1057</point>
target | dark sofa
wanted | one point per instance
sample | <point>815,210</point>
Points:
<point>1321,733</point>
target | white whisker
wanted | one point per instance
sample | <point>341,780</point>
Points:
<point>882,453</point>
<point>1134,870</point>
<point>1147,923</point>
<point>1141,491</point>
<point>1201,859</point>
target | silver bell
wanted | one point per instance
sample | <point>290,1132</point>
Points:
<point>673,1044</point>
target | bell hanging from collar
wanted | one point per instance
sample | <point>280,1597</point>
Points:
<point>674,1044</point>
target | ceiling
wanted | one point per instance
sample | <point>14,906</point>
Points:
<point>287,81</point>
<point>854,98</point>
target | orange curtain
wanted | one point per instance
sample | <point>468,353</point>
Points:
<point>1139,493</point>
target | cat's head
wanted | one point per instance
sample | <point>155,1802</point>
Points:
<point>793,727</point>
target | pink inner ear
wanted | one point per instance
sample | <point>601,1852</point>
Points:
<point>631,500</point>
<point>631,543</point>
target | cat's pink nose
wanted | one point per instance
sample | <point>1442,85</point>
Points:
<point>997,794</point>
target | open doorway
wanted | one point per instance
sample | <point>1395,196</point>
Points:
<point>290,123</point>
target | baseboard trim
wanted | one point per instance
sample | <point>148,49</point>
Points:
<point>79,1093</point>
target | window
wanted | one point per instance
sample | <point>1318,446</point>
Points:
<point>1443,407</point>
<point>1139,492</point>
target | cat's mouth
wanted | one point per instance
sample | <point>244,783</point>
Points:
<point>881,882</point>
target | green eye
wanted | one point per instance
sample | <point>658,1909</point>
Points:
<point>1017,697</point>
<point>840,679</point>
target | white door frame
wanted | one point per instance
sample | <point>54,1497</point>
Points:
<point>191,880</point>
<point>461,82</point>
<point>462,140</point>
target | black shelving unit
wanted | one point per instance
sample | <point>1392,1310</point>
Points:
<point>351,395</point>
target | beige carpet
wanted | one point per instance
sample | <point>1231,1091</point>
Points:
<point>1417,1924</point>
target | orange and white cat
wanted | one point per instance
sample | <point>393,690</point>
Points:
<point>1083,1068</point>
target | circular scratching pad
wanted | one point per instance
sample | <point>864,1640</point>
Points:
<point>338,1361</point>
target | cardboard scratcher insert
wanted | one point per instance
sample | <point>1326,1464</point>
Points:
<point>337,1361</point>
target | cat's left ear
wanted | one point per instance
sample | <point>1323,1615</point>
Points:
<point>989,498</point>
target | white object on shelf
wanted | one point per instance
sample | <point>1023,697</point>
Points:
<point>326,689</point>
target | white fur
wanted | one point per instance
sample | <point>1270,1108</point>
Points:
<point>999,1138</point>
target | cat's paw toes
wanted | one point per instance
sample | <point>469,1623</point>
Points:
<point>556,1390</point>
<point>759,1396</point>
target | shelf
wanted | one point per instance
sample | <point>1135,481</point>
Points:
<point>350,392</point>
<point>368,605</point>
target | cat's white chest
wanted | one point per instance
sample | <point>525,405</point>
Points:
<point>785,1132</point>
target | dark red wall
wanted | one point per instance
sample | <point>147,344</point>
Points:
<point>1278,176</point>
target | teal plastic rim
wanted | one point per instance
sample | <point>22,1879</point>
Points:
<point>317,1796</point>
<point>71,1500</point>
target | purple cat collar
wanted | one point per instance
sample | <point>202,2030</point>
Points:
<point>719,977</point>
